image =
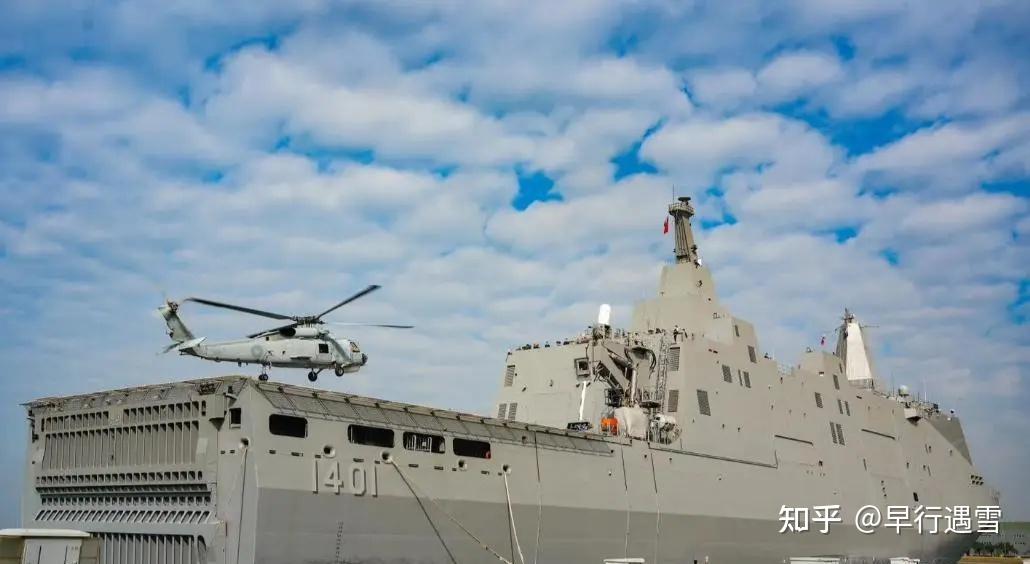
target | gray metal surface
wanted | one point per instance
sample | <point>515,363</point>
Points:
<point>232,470</point>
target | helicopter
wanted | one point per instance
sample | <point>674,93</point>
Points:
<point>300,343</point>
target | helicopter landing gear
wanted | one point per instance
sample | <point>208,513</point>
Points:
<point>339,370</point>
<point>312,376</point>
<point>264,373</point>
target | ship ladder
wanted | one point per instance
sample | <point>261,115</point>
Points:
<point>452,518</point>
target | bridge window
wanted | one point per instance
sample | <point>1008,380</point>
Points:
<point>287,426</point>
<point>470,448</point>
<point>752,354</point>
<point>423,443</point>
<point>373,436</point>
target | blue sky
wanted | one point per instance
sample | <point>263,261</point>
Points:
<point>502,168</point>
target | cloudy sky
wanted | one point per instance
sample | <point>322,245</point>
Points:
<point>503,167</point>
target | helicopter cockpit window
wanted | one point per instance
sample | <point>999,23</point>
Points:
<point>287,426</point>
<point>323,348</point>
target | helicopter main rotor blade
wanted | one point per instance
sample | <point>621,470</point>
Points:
<point>387,325</point>
<point>251,311</point>
<point>360,294</point>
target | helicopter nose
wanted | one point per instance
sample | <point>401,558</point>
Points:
<point>364,359</point>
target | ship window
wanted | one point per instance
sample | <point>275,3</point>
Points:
<point>847,408</point>
<point>840,406</point>
<point>582,366</point>
<point>836,382</point>
<point>915,497</point>
<point>727,374</point>
<point>423,443</point>
<point>509,375</point>
<point>374,436</point>
<point>674,358</point>
<point>674,401</point>
<point>740,377</point>
<point>747,379</point>
<point>235,416</point>
<point>502,410</point>
<point>323,348</point>
<point>474,449</point>
<point>736,329</point>
<point>512,410</point>
<point>287,425</point>
<point>752,354</point>
<point>833,432</point>
<point>818,400</point>
<point>840,433</point>
<point>702,402</point>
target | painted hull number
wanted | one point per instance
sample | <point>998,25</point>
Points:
<point>327,477</point>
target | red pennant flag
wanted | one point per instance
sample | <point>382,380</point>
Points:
<point>665,228</point>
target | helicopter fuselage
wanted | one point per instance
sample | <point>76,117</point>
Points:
<point>304,342</point>
<point>313,353</point>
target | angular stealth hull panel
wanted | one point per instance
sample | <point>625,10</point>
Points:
<point>191,472</point>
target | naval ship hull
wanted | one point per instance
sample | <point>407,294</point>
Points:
<point>234,471</point>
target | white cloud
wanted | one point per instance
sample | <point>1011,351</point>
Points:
<point>793,74</point>
<point>723,88</point>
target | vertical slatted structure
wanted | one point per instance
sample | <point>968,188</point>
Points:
<point>129,467</point>
<point>129,548</point>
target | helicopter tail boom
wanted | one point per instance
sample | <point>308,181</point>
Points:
<point>177,330</point>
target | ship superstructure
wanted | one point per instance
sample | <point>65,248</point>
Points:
<point>674,440</point>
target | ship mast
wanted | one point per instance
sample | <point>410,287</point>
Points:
<point>681,212</point>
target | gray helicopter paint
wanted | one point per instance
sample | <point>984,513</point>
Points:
<point>190,472</point>
<point>295,345</point>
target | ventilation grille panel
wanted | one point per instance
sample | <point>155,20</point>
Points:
<point>727,374</point>
<point>512,410</point>
<point>124,548</point>
<point>674,401</point>
<point>818,400</point>
<point>702,402</point>
<point>509,375</point>
<point>674,358</point>
<point>502,410</point>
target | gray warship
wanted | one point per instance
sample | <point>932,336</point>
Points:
<point>675,440</point>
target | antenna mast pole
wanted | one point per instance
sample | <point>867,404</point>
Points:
<point>681,212</point>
